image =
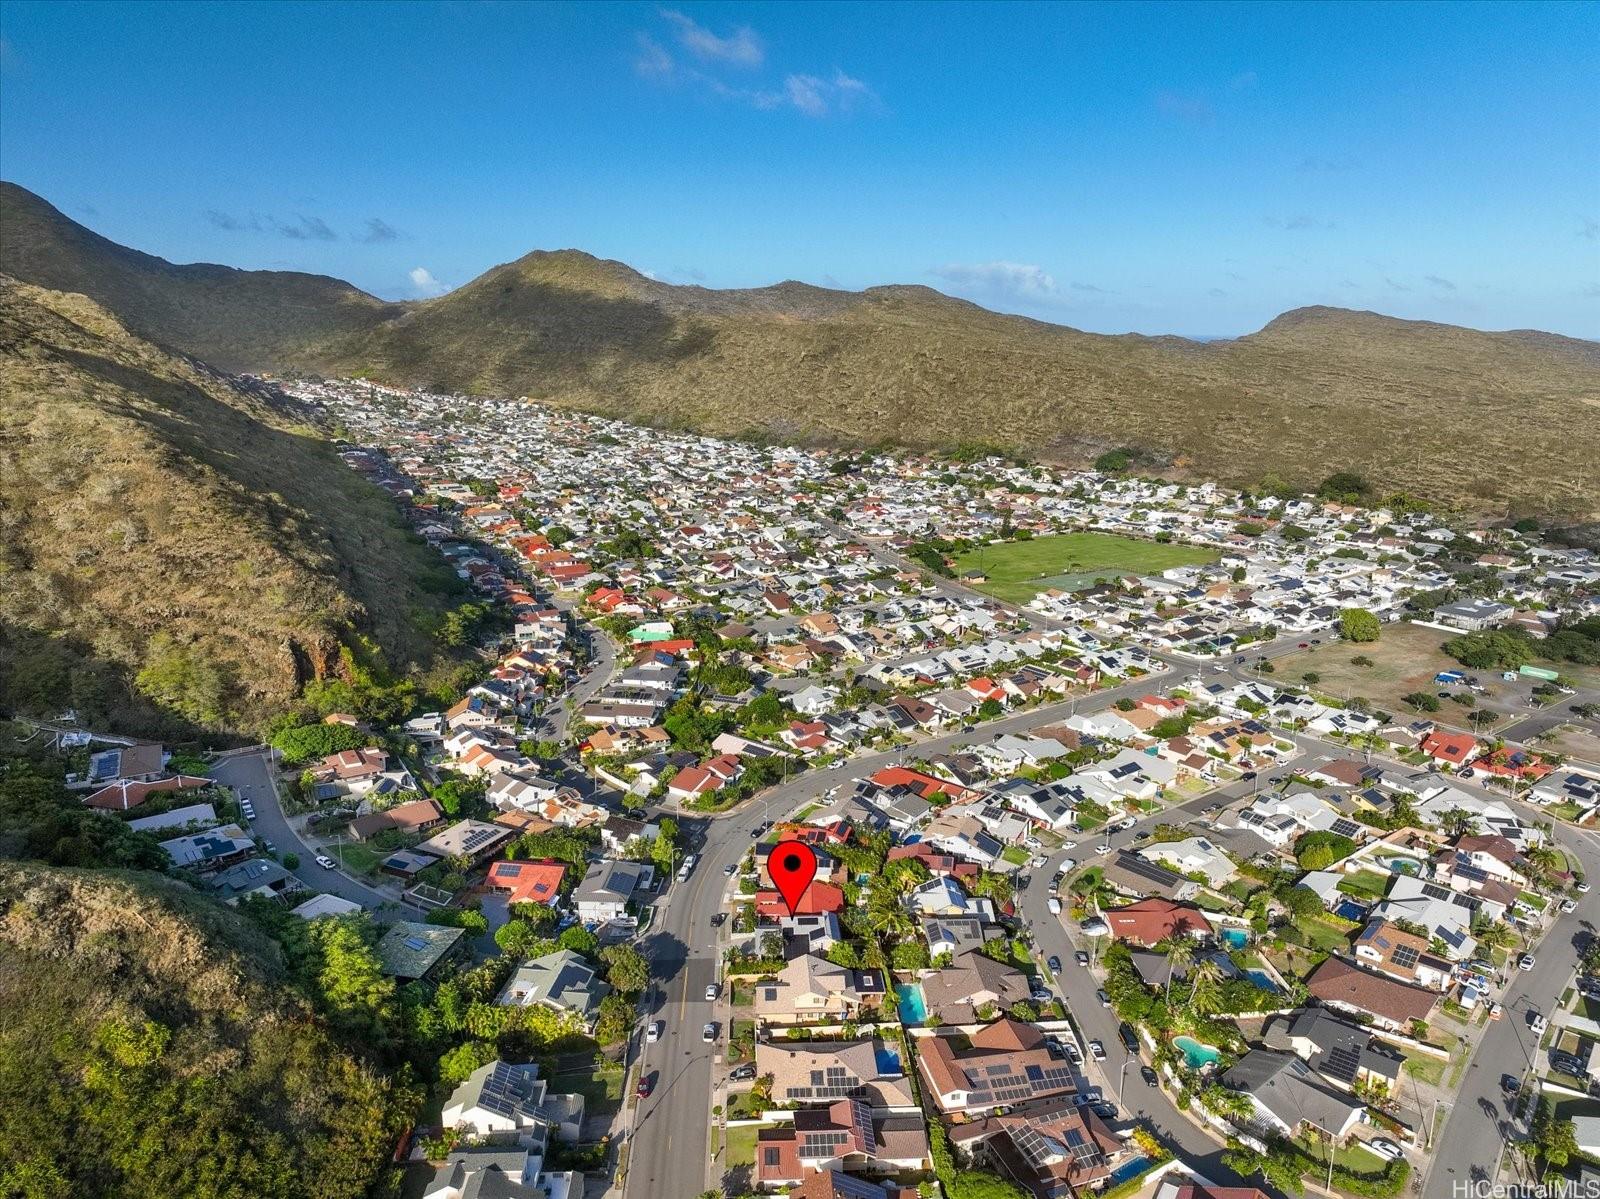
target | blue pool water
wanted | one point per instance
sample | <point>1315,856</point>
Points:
<point>1194,1053</point>
<point>1400,865</point>
<point>1127,1170</point>
<point>1262,979</point>
<point>888,1062</point>
<point>1238,938</point>
<point>1351,910</point>
<point>913,1007</point>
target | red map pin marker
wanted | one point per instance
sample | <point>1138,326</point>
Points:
<point>792,864</point>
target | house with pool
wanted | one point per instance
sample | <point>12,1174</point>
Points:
<point>1288,1096</point>
<point>1052,1148</point>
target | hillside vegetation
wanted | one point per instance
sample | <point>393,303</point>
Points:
<point>233,319</point>
<point>1491,422</point>
<point>151,1048</point>
<point>177,551</point>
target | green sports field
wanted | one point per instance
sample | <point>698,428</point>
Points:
<point>1019,570</point>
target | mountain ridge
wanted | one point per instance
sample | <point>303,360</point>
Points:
<point>1314,390</point>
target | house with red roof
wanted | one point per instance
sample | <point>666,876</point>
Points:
<point>926,785</point>
<point>1162,706</point>
<point>1508,763</point>
<point>816,900</point>
<point>710,776</point>
<point>987,688</point>
<point>130,793</point>
<point>527,882</point>
<point>1151,921</point>
<point>1455,749</point>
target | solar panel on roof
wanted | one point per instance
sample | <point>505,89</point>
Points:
<point>1341,1062</point>
<point>416,943</point>
<point>1405,956</point>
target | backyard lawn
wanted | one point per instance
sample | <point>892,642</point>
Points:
<point>1352,1157</point>
<point>358,858</point>
<point>1019,570</point>
<point>1424,1067</point>
<point>1366,884</point>
<point>742,1146</point>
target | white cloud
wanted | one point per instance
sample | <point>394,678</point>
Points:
<point>422,279</point>
<point>652,61</point>
<point>1010,280</point>
<point>741,48</point>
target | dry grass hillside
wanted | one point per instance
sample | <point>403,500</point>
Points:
<point>231,318</point>
<point>151,1047</point>
<point>1489,421</point>
<point>176,550</point>
<point>1492,422</point>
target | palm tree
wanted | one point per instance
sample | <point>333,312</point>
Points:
<point>1205,982</point>
<point>1180,952</point>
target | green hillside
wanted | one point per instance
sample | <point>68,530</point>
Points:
<point>152,1047</point>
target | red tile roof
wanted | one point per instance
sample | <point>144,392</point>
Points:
<point>527,882</point>
<point>1152,920</point>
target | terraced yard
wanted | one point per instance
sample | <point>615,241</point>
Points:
<point>1018,570</point>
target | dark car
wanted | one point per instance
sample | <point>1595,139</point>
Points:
<point>1130,1039</point>
<point>1510,1084</point>
<point>744,1073</point>
<point>1305,645</point>
<point>1151,1078</point>
<point>1081,957</point>
<point>1248,775</point>
<point>1055,964</point>
<point>647,1083</point>
<point>1106,1111</point>
<point>718,918</point>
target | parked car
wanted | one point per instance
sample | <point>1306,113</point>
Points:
<point>1102,850</point>
<point>711,992</point>
<point>1097,1051</point>
<point>1068,864</point>
<point>1142,835</point>
<point>1054,905</point>
<point>1054,963</point>
<point>1304,645</point>
<point>1525,962</point>
<point>1496,1011</point>
<point>1038,863</point>
<point>1106,1111</point>
<point>1537,1023</point>
<point>1130,1039</point>
<point>653,1033</point>
<point>1510,1084</point>
<point>1151,1078</point>
<point>1581,887</point>
<point>731,869</point>
<point>744,1073</point>
<point>1568,906</point>
<point>1384,1147</point>
<point>1566,1063</point>
<point>1105,1000</point>
<point>709,1032</point>
<point>717,918</point>
<point>1081,957</point>
<point>1074,1053</point>
<point>326,862</point>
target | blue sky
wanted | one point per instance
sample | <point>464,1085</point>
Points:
<point>1190,168</point>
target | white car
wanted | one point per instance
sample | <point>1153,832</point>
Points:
<point>1582,888</point>
<point>1039,863</point>
<point>326,862</point>
<point>653,1033</point>
<point>1537,1023</point>
<point>1097,1051</point>
<point>1068,864</point>
<point>711,992</point>
<point>1102,850</point>
<point>1054,906</point>
<point>709,1032</point>
<point>1525,962</point>
<point>1568,906</point>
<point>1384,1147</point>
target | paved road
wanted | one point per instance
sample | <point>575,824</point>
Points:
<point>1119,1076</point>
<point>251,777</point>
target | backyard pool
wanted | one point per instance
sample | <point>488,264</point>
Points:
<point>1127,1170</point>
<point>1263,980</point>
<point>913,1007</point>
<point>1236,938</point>
<point>1196,1055</point>
<point>1351,910</point>
<point>888,1062</point>
<point>1401,865</point>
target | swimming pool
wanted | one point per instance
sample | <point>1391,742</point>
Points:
<point>888,1062</point>
<point>913,1005</point>
<point>1238,938</point>
<point>1196,1055</point>
<point>1128,1169</point>
<point>1401,865</point>
<point>1262,979</point>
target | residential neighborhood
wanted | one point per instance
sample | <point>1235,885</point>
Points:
<point>1121,886</point>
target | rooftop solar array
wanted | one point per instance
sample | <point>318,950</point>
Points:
<point>1405,956</point>
<point>509,1091</point>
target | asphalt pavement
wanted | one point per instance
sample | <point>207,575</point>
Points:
<point>251,776</point>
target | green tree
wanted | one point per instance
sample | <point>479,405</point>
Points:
<point>663,850</point>
<point>579,940</point>
<point>1358,624</point>
<point>352,987</point>
<point>626,968</point>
